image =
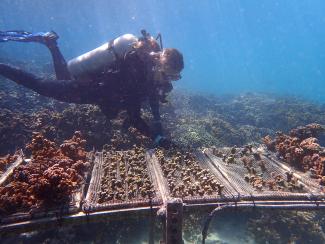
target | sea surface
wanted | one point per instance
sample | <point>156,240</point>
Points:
<point>260,60</point>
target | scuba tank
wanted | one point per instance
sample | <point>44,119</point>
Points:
<point>102,57</point>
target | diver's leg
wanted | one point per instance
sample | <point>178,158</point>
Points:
<point>60,65</point>
<point>62,90</point>
<point>49,39</point>
<point>110,111</point>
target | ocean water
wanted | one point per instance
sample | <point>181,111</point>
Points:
<point>230,47</point>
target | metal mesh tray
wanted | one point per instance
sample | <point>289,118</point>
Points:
<point>72,207</point>
<point>187,180</point>
<point>305,177</point>
<point>108,171</point>
<point>257,176</point>
<point>10,169</point>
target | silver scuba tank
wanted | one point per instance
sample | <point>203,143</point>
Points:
<point>101,57</point>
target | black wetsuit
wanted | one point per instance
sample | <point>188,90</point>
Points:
<point>123,88</point>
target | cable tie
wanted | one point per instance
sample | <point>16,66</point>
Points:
<point>58,218</point>
<point>253,199</point>
<point>87,210</point>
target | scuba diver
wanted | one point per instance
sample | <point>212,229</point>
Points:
<point>119,75</point>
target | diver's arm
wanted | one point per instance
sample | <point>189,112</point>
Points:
<point>154,105</point>
<point>133,109</point>
<point>157,131</point>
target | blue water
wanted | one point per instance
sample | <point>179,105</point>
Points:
<point>230,46</point>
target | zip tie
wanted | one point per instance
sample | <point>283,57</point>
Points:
<point>150,202</point>
<point>253,199</point>
<point>316,200</point>
<point>313,198</point>
<point>87,209</point>
<point>58,218</point>
<point>236,199</point>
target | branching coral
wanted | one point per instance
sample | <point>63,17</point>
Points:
<point>126,177</point>
<point>301,149</point>
<point>185,176</point>
<point>49,179</point>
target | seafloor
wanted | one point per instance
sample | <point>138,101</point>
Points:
<point>190,120</point>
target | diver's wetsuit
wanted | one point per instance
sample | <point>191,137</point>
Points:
<point>124,88</point>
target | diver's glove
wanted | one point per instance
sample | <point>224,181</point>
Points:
<point>161,141</point>
<point>156,127</point>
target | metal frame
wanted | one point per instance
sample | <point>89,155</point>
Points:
<point>172,209</point>
<point>286,205</point>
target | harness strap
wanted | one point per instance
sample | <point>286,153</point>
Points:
<point>111,48</point>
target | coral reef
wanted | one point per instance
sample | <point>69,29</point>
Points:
<point>304,132</point>
<point>126,229</point>
<point>194,120</point>
<point>201,120</point>
<point>51,177</point>
<point>185,177</point>
<point>285,227</point>
<point>126,177</point>
<point>22,112</point>
<point>301,149</point>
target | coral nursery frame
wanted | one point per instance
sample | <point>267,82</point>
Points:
<point>237,193</point>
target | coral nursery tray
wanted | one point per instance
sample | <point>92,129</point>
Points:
<point>8,169</point>
<point>190,176</point>
<point>57,211</point>
<point>122,179</point>
<point>256,176</point>
<point>305,177</point>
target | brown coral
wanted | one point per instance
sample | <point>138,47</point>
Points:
<point>126,177</point>
<point>304,132</point>
<point>185,176</point>
<point>300,149</point>
<point>6,161</point>
<point>49,179</point>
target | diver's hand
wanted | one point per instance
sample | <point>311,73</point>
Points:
<point>164,142</point>
<point>156,128</point>
<point>141,125</point>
